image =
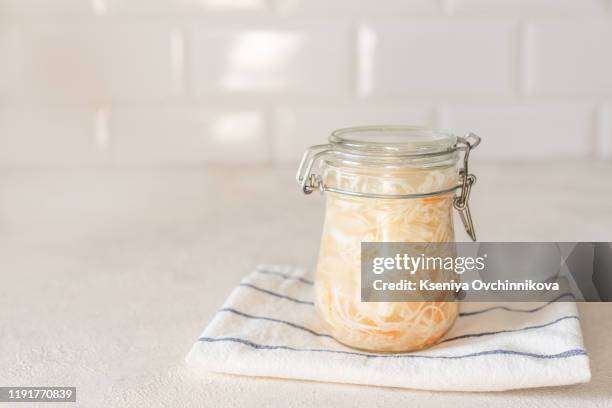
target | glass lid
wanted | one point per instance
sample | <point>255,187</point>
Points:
<point>405,141</point>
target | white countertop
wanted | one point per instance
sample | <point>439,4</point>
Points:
<point>107,277</point>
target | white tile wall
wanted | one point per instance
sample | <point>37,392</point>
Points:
<point>59,61</point>
<point>299,59</point>
<point>188,135</point>
<point>103,7</point>
<point>9,45</point>
<point>527,7</point>
<point>526,130</point>
<point>47,7</point>
<point>603,145</point>
<point>567,57</point>
<point>186,6</point>
<point>360,7</point>
<point>48,136</point>
<point>437,57</point>
<point>158,82</point>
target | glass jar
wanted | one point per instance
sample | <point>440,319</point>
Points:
<point>385,184</point>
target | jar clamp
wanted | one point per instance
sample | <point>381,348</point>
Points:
<point>310,181</point>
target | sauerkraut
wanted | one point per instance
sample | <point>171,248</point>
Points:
<point>349,220</point>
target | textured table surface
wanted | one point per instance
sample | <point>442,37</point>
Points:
<point>109,276</point>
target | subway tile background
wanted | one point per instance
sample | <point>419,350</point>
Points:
<point>173,82</point>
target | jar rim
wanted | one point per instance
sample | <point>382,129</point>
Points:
<point>393,140</point>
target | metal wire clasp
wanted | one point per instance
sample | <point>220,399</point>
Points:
<point>310,181</point>
<point>461,201</point>
<point>305,178</point>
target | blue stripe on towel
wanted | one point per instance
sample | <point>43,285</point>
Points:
<point>285,276</point>
<point>463,336</point>
<point>296,326</point>
<point>565,354</point>
<point>269,292</point>
<point>509,309</point>
<point>539,326</point>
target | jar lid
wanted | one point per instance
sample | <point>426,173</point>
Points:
<point>391,146</point>
<point>393,141</point>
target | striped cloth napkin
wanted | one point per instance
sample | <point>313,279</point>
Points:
<point>268,327</point>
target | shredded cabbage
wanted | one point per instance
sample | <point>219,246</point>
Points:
<point>349,220</point>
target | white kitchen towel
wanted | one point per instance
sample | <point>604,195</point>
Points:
<point>268,327</point>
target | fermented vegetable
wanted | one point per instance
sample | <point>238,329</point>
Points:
<point>383,326</point>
